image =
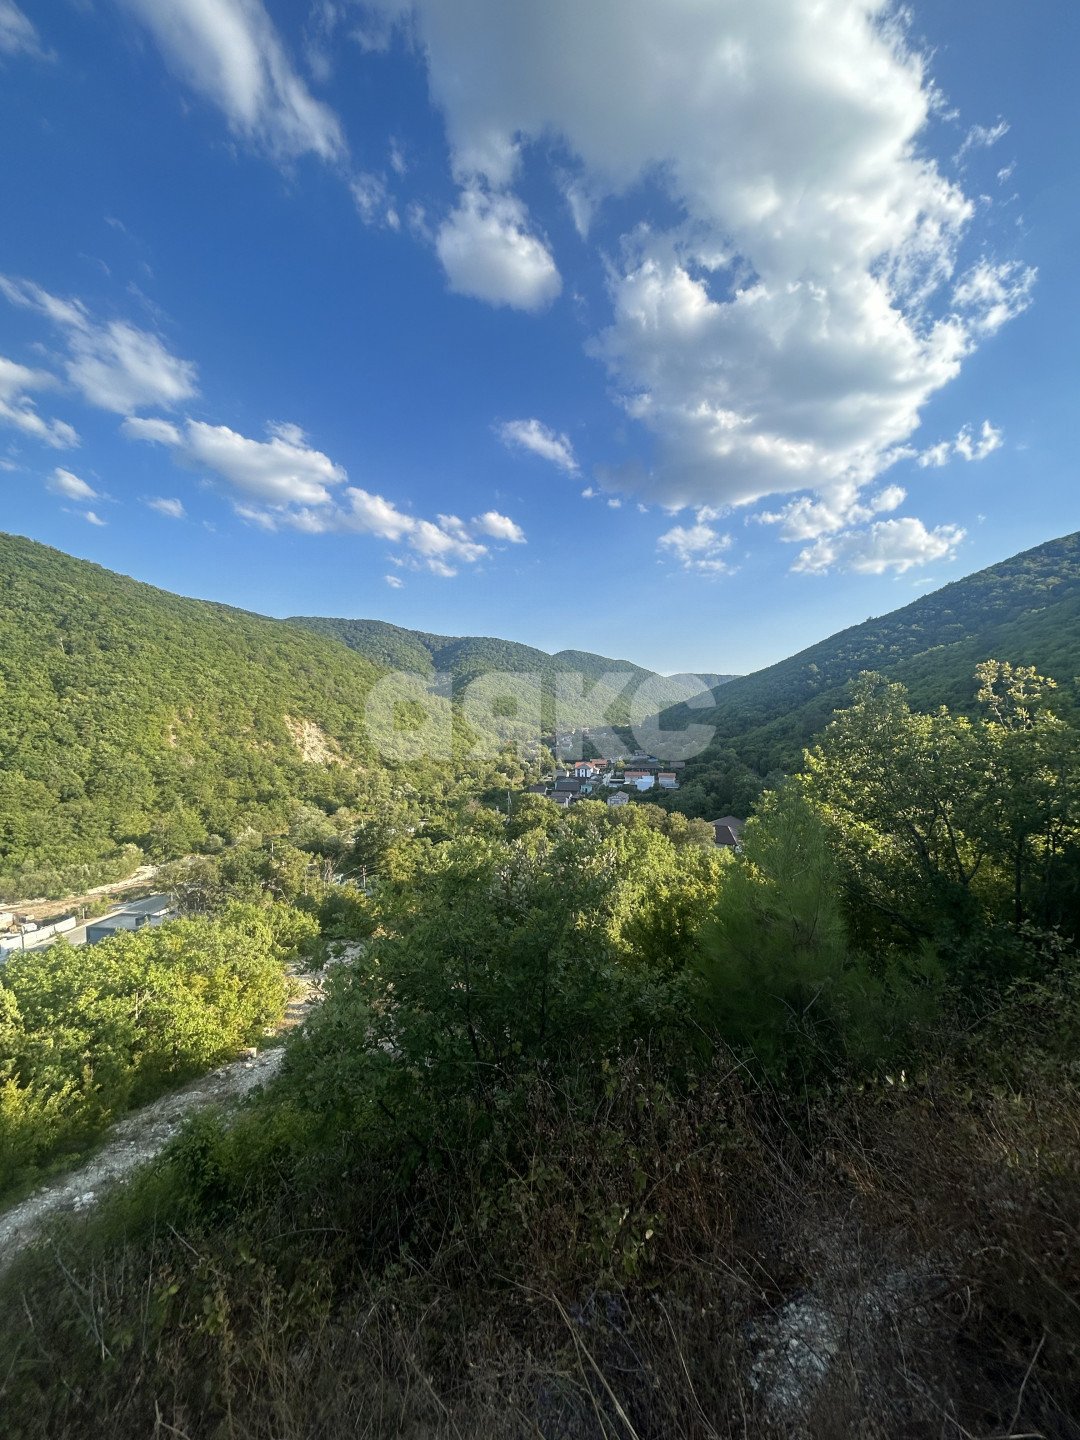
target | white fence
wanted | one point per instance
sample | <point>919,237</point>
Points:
<point>31,939</point>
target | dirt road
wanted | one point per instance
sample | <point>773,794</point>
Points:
<point>44,910</point>
<point>145,1133</point>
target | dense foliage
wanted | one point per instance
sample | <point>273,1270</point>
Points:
<point>1025,610</point>
<point>130,715</point>
<point>602,1130</point>
<point>468,658</point>
<point>87,1033</point>
<point>135,724</point>
<point>464,657</point>
<point>595,1109</point>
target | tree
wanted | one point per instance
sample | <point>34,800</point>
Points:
<point>1035,785</point>
<point>780,979</point>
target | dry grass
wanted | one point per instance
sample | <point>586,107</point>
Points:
<point>901,1263</point>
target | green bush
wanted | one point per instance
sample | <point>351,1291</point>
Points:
<point>780,980</point>
<point>87,1033</point>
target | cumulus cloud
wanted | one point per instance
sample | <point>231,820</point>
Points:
<point>438,547</point>
<point>284,481</point>
<point>394,581</point>
<point>533,435</point>
<point>896,545</point>
<point>967,445</point>
<point>807,518</point>
<point>92,519</point>
<point>231,52</point>
<point>164,432</point>
<point>17,408</point>
<point>281,471</point>
<point>113,364</point>
<point>697,547</point>
<point>970,448</point>
<point>488,252</point>
<point>171,509</point>
<point>500,527</point>
<point>17,33</point>
<point>783,331</point>
<point>63,482</point>
<point>121,368</point>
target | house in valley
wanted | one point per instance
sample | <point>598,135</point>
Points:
<point>728,831</point>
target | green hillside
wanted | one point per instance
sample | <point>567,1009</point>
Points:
<point>468,657</point>
<point>1025,609</point>
<point>463,656</point>
<point>380,642</point>
<point>131,715</point>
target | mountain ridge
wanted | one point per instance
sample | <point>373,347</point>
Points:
<point>384,642</point>
<point>129,715</point>
<point>1024,609</point>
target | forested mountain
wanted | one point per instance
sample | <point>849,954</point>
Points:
<point>468,657</point>
<point>463,656</point>
<point>1025,610</point>
<point>131,715</point>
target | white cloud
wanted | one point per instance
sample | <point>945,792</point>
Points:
<point>378,516</point>
<point>171,509</point>
<point>982,137</point>
<point>581,204</point>
<point>18,409</point>
<point>537,437</point>
<point>444,545</point>
<point>435,547</point>
<point>280,472</point>
<point>93,519</point>
<point>230,51</point>
<point>394,581</point>
<point>373,200</point>
<point>487,252</point>
<point>968,448</point>
<point>164,432</point>
<point>17,33</point>
<point>113,364</point>
<point>785,331</point>
<point>936,455</point>
<point>989,295</point>
<point>121,368</point>
<point>697,547</point>
<point>285,482</point>
<point>890,498</point>
<point>966,445</point>
<point>807,518</point>
<point>896,545</point>
<point>500,527</point>
<point>63,482</point>
<point>264,519</point>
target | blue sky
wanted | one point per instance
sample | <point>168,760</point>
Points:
<point>687,331</point>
